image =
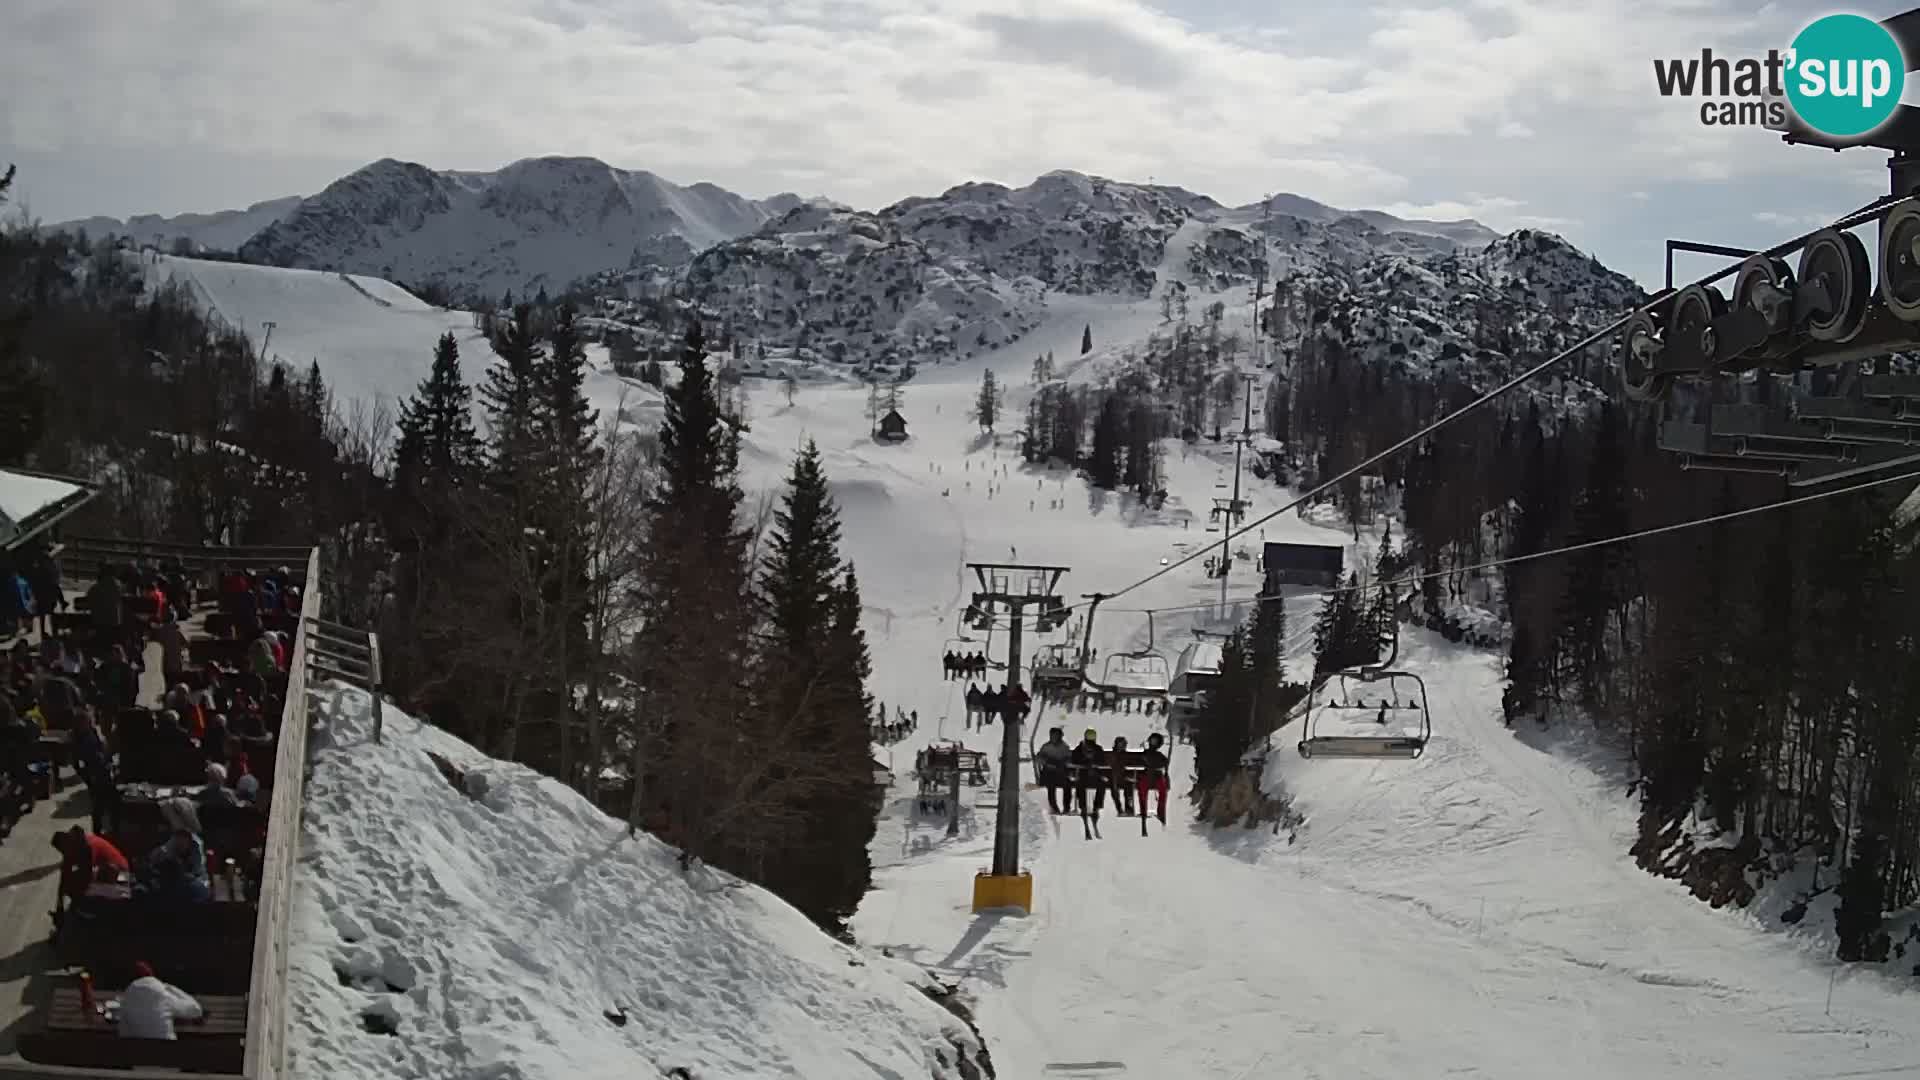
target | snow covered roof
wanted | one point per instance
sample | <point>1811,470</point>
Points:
<point>30,502</point>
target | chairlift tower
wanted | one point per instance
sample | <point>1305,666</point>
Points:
<point>1016,590</point>
<point>1236,507</point>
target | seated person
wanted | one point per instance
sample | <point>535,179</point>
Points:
<point>217,793</point>
<point>86,859</point>
<point>176,871</point>
<point>149,1007</point>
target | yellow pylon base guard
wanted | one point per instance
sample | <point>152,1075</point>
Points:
<point>995,891</point>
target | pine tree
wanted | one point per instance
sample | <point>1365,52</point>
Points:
<point>565,417</point>
<point>23,392</point>
<point>1103,461</point>
<point>1086,340</point>
<point>1597,577</point>
<point>1219,732</point>
<point>694,602</point>
<point>438,443</point>
<point>511,396</point>
<point>986,407</point>
<point>316,404</point>
<point>814,662</point>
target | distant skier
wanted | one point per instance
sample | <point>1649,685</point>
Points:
<point>1153,776</point>
<point>1052,758</point>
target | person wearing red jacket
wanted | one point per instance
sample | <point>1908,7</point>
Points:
<point>86,858</point>
<point>1153,776</point>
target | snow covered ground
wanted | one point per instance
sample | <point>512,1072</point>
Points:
<point>1473,912</point>
<point>504,936</point>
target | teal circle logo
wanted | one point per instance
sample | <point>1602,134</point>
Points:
<point>1845,75</point>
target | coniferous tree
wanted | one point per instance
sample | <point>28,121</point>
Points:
<point>23,393</point>
<point>986,406</point>
<point>1219,732</point>
<point>316,403</point>
<point>814,662</point>
<point>1598,577</point>
<point>1086,340</point>
<point>438,444</point>
<point>692,648</point>
<point>1109,444</point>
<point>511,396</point>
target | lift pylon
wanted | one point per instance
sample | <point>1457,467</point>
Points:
<point>1017,590</point>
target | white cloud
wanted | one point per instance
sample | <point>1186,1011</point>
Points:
<point>1794,221</point>
<point>871,100</point>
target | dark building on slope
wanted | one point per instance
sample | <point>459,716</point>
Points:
<point>1302,564</point>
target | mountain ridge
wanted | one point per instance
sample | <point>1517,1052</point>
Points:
<point>549,221</point>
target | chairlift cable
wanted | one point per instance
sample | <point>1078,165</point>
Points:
<point>1860,216</point>
<point>1568,549</point>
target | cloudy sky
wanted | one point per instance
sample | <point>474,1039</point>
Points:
<point>1516,112</point>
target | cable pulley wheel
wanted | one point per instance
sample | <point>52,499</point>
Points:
<point>1900,262</point>
<point>1639,345</point>
<point>1691,318</point>
<point>1838,261</point>
<point>1766,285</point>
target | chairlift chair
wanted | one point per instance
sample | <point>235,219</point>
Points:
<point>1403,696</point>
<point>1056,666</point>
<point>1141,673</point>
<point>1138,675</point>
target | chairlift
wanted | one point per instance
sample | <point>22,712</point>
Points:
<point>1335,724</point>
<point>1056,666</point>
<point>964,644</point>
<point>1139,673</point>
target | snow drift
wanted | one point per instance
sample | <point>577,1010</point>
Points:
<point>511,930</point>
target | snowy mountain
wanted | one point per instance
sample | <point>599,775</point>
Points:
<point>946,277</point>
<point>539,222</point>
<point>225,230</point>
<point>505,927</point>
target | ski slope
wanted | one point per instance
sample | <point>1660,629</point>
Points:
<point>1473,912</point>
<point>373,340</point>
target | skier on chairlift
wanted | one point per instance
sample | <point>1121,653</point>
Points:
<point>1117,778</point>
<point>1089,761</point>
<point>1052,758</point>
<point>1153,776</point>
<point>975,702</point>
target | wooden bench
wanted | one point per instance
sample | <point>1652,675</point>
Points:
<point>75,1037</point>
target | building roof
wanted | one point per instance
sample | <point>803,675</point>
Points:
<point>32,502</point>
<point>893,417</point>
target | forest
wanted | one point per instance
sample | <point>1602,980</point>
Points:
<point>1757,672</point>
<point>552,586</point>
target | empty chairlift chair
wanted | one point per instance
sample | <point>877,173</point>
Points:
<point>1368,713</point>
